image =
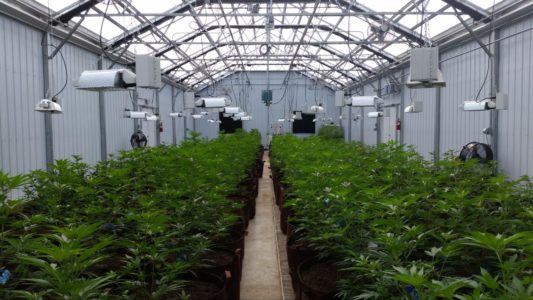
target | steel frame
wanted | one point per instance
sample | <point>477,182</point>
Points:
<point>311,33</point>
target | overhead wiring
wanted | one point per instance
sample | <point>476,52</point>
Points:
<point>49,44</point>
<point>100,42</point>
<point>65,67</point>
<point>489,59</point>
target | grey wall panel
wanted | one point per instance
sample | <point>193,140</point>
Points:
<point>76,131</point>
<point>118,128</point>
<point>356,116</point>
<point>208,130</point>
<point>299,95</point>
<point>165,108</point>
<point>464,77</point>
<point>369,124</point>
<point>179,123</point>
<point>389,132</point>
<point>516,78</point>
<point>147,97</point>
<point>419,128</point>
<point>22,142</point>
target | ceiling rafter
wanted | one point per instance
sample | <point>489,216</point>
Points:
<point>338,32</point>
<point>318,46</point>
<point>73,10</point>
<point>338,83</point>
<point>317,33</point>
<point>401,29</point>
<point>355,7</point>
<point>410,5</point>
<point>341,72</point>
<point>474,11</point>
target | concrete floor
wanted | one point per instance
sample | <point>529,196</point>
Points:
<point>262,273</point>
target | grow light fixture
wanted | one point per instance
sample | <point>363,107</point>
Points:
<point>415,107</point>
<point>213,102</point>
<point>134,114</point>
<point>500,102</point>
<point>197,116</point>
<point>230,110</point>
<point>176,114</point>
<point>240,114</point>
<point>106,80</point>
<point>316,109</point>
<point>151,118</point>
<point>365,101</point>
<point>375,114</point>
<point>473,105</point>
<point>48,106</point>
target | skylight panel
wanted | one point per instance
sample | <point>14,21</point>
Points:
<point>148,7</point>
<point>56,5</point>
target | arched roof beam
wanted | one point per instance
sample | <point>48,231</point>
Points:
<point>73,10</point>
<point>230,72</point>
<point>325,48</point>
<point>344,74</point>
<point>325,28</point>
<point>474,11</point>
<point>184,7</point>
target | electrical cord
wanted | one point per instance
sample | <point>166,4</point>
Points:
<point>489,59</point>
<point>100,44</point>
<point>66,70</point>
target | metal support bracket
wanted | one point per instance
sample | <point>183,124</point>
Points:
<point>473,34</point>
<point>69,35</point>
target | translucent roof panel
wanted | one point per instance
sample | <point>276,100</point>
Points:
<point>334,41</point>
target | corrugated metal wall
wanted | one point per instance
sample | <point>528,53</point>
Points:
<point>22,143</point>
<point>77,130</point>
<point>388,122</point>
<point>419,128</point>
<point>369,124</point>
<point>118,128</point>
<point>179,124</point>
<point>465,68</point>
<point>516,78</point>
<point>165,108</point>
<point>464,77</point>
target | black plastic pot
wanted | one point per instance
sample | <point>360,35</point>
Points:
<point>298,250</point>
<point>224,263</point>
<point>317,279</point>
<point>205,286</point>
<point>233,241</point>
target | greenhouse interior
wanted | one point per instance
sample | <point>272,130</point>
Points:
<point>266,149</point>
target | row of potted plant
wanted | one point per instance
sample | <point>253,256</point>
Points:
<point>380,222</point>
<point>146,224</point>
